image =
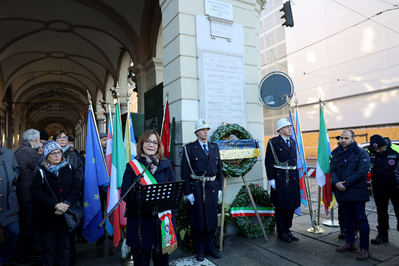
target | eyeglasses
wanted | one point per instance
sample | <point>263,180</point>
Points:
<point>56,153</point>
<point>64,137</point>
<point>149,142</point>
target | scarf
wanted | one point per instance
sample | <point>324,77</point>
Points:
<point>153,167</point>
<point>344,154</point>
<point>55,168</point>
<point>169,241</point>
<point>65,149</point>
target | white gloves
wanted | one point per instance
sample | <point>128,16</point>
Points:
<point>273,183</point>
<point>190,198</point>
<point>220,194</point>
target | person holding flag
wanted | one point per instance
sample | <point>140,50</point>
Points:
<point>149,149</point>
<point>349,167</point>
<point>283,176</point>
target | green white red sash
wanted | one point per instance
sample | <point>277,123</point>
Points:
<point>249,211</point>
<point>169,241</point>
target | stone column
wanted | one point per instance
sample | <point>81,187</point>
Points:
<point>181,78</point>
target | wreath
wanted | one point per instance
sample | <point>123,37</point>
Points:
<point>246,225</point>
<point>246,164</point>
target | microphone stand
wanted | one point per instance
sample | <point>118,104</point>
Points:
<point>124,195</point>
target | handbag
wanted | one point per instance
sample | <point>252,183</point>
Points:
<point>74,216</point>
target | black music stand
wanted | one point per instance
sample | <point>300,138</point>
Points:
<point>163,196</point>
<point>151,199</point>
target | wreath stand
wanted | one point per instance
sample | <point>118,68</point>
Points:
<point>223,133</point>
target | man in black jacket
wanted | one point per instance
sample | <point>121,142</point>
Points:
<point>283,178</point>
<point>383,162</point>
<point>27,157</point>
<point>349,167</point>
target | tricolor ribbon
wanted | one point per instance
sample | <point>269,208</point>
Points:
<point>249,211</point>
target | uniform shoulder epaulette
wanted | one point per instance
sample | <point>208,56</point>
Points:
<point>188,143</point>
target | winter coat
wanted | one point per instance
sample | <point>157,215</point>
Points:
<point>287,194</point>
<point>164,173</point>
<point>66,187</point>
<point>354,173</point>
<point>27,158</point>
<point>9,172</point>
<point>382,166</point>
<point>203,215</point>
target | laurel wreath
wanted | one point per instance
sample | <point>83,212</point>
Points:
<point>245,224</point>
<point>229,169</point>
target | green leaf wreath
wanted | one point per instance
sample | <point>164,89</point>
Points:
<point>246,164</point>
<point>246,225</point>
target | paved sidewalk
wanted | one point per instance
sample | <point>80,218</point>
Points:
<point>311,249</point>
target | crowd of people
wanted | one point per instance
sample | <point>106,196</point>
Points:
<point>44,178</point>
<point>349,167</point>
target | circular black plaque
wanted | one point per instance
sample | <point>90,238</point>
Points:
<point>275,90</point>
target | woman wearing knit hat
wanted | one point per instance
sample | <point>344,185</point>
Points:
<point>55,174</point>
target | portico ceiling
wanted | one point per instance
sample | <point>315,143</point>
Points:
<point>52,52</point>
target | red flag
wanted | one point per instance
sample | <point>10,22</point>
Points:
<point>166,132</point>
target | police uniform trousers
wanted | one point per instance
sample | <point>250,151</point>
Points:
<point>381,200</point>
<point>283,220</point>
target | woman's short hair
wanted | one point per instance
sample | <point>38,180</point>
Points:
<point>159,154</point>
<point>58,133</point>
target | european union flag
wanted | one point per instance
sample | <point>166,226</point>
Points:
<point>95,176</point>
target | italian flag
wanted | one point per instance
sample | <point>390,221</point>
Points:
<point>323,162</point>
<point>117,170</point>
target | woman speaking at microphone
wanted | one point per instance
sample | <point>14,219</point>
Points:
<point>149,151</point>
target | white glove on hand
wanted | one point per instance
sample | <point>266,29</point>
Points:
<point>273,183</point>
<point>220,194</point>
<point>190,198</point>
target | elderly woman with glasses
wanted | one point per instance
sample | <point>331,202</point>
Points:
<point>54,176</point>
<point>149,149</point>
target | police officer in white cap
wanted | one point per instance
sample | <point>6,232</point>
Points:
<point>201,168</point>
<point>283,177</point>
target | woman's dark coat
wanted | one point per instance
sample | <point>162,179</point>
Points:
<point>163,174</point>
<point>66,187</point>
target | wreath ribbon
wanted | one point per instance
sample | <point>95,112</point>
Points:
<point>249,211</point>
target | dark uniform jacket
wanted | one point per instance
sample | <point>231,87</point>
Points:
<point>203,216</point>
<point>354,173</point>
<point>66,187</point>
<point>27,158</point>
<point>163,174</point>
<point>286,195</point>
<point>383,167</point>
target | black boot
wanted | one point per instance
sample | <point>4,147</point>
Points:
<point>379,240</point>
<point>342,235</point>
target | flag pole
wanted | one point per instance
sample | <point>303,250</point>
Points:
<point>95,126</point>
<point>164,113</point>
<point>316,228</point>
<point>110,117</point>
<point>304,174</point>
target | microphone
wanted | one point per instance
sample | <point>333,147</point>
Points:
<point>154,160</point>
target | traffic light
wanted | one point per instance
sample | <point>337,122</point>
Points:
<point>289,21</point>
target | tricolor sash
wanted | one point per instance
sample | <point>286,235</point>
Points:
<point>169,242</point>
<point>249,211</point>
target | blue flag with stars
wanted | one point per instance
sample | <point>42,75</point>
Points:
<point>95,176</point>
